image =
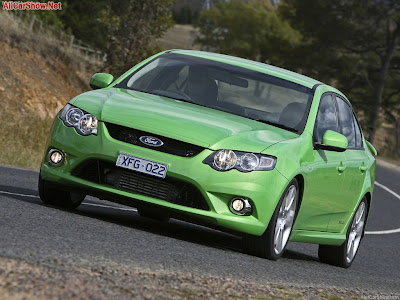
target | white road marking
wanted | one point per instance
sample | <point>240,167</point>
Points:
<point>383,231</point>
<point>113,207</point>
<point>398,197</point>
<point>388,190</point>
<point>133,209</point>
<point>16,194</point>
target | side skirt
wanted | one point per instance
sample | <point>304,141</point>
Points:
<point>317,237</point>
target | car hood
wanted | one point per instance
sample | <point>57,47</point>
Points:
<point>179,120</point>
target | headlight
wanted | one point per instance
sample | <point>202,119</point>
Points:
<point>84,123</point>
<point>224,160</point>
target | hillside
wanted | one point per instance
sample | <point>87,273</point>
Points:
<point>32,91</point>
<point>37,78</point>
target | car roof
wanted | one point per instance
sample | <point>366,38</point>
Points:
<point>252,65</point>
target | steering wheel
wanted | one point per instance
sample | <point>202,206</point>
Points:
<point>186,96</point>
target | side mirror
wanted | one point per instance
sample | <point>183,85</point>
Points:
<point>372,148</point>
<point>100,80</point>
<point>333,141</point>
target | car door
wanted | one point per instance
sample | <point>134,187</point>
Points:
<point>323,180</point>
<point>355,164</point>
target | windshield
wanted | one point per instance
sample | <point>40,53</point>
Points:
<point>225,87</point>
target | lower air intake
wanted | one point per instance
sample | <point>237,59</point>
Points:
<point>168,189</point>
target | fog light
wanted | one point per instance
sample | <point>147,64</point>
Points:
<point>55,156</point>
<point>240,206</point>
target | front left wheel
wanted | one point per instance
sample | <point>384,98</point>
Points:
<point>53,196</point>
<point>273,242</point>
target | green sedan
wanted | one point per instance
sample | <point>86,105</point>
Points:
<point>233,144</point>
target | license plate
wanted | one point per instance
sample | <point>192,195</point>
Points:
<point>141,165</point>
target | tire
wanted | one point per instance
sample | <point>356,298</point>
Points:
<point>151,214</point>
<point>343,256</point>
<point>53,196</point>
<point>273,242</point>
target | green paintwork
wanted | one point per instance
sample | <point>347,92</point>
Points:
<point>101,80</point>
<point>334,139</point>
<point>333,183</point>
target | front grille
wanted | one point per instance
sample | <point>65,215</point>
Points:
<point>171,146</point>
<point>168,189</point>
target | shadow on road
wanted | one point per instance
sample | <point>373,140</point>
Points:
<point>174,228</point>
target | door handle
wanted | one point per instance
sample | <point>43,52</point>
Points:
<point>363,168</point>
<point>341,167</point>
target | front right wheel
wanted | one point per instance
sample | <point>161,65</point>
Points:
<point>343,256</point>
<point>273,242</point>
<point>53,196</point>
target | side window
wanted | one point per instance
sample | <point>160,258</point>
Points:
<point>326,117</point>
<point>359,142</point>
<point>346,121</point>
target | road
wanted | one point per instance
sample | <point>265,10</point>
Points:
<point>100,231</point>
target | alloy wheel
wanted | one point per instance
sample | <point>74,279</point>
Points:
<point>284,222</point>
<point>355,234</point>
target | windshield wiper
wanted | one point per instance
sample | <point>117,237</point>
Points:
<point>277,125</point>
<point>169,94</point>
<point>161,93</point>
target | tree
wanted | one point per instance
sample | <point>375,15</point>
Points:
<point>355,42</point>
<point>184,15</point>
<point>135,24</point>
<point>88,22</point>
<point>250,29</point>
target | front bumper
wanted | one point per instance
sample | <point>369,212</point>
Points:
<point>263,188</point>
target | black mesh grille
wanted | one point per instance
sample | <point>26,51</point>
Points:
<point>171,146</point>
<point>168,189</point>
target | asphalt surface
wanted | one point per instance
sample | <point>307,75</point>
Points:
<point>97,236</point>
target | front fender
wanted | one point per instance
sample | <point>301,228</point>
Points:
<point>291,155</point>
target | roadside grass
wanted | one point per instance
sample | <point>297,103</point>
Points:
<point>22,140</point>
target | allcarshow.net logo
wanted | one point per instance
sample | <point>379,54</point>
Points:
<point>29,5</point>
